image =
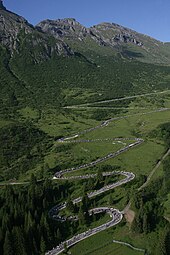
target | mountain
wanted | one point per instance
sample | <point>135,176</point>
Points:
<point>59,63</point>
<point>22,46</point>
<point>38,64</point>
<point>110,37</point>
<point>14,29</point>
<point>66,36</point>
<point>105,34</point>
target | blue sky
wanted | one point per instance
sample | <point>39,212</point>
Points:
<point>151,17</point>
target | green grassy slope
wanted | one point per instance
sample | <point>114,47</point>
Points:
<point>110,77</point>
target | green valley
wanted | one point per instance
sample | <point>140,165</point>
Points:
<point>84,123</point>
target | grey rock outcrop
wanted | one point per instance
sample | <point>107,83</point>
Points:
<point>126,38</point>
<point>105,34</point>
<point>64,28</point>
<point>14,28</point>
<point>10,27</point>
<point>54,36</point>
<point>113,34</point>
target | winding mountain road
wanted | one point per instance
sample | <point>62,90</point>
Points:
<point>115,214</point>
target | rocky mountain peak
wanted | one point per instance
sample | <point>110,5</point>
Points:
<point>105,34</point>
<point>2,5</point>
<point>63,28</point>
<point>113,34</point>
<point>70,21</point>
<point>14,27</point>
<point>11,25</point>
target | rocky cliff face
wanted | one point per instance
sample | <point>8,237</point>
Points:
<point>105,34</point>
<point>11,25</point>
<point>63,28</point>
<point>112,38</point>
<point>53,37</point>
<point>14,29</point>
<point>113,34</point>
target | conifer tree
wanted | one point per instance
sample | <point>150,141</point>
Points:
<point>81,216</point>
<point>70,205</point>
<point>145,223</point>
<point>161,248</point>
<point>8,247</point>
<point>59,236</point>
<point>19,242</point>
<point>42,246</point>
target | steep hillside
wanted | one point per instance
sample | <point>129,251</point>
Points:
<point>61,63</point>
<point>15,29</point>
<point>38,66</point>
<point>112,39</point>
<point>42,66</point>
<point>81,103</point>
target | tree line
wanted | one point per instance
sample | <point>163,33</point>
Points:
<point>25,227</point>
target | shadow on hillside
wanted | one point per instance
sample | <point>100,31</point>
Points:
<point>132,54</point>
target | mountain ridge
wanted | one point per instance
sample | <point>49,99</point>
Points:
<point>119,39</point>
<point>61,54</point>
<point>67,36</point>
<point>14,29</point>
<point>105,23</point>
<point>42,72</point>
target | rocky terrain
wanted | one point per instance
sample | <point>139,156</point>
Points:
<point>104,34</point>
<point>14,29</point>
<point>61,85</point>
<point>66,36</point>
<point>109,36</point>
